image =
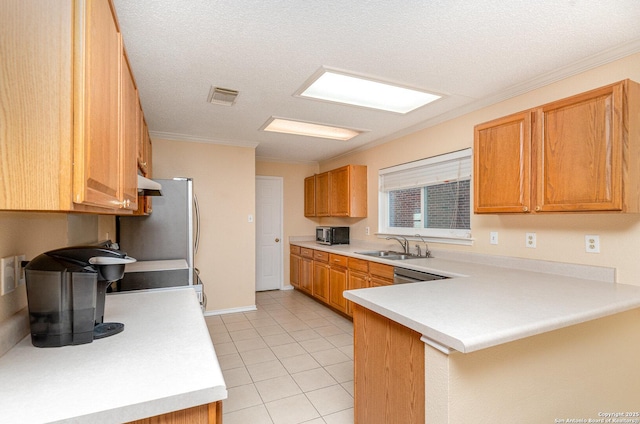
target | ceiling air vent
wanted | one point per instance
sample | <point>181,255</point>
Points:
<point>222,96</point>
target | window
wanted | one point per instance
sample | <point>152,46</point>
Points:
<point>430,197</point>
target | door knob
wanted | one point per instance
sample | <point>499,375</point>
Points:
<point>277,240</point>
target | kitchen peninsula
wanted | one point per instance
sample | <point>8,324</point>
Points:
<point>501,342</point>
<point>162,362</point>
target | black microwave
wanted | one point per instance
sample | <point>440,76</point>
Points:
<point>332,235</point>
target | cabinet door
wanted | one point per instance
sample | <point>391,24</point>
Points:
<point>502,165</point>
<point>306,275</point>
<point>310,196</point>
<point>579,160</point>
<point>96,73</point>
<point>321,281</point>
<point>388,369</point>
<point>337,285</point>
<point>322,194</point>
<point>129,137</point>
<point>339,194</point>
<point>357,280</point>
<point>294,270</point>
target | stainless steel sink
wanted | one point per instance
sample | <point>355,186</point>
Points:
<point>390,254</point>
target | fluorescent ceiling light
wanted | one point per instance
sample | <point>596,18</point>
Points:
<point>310,129</point>
<point>340,87</point>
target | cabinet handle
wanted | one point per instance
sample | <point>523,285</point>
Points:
<point>277,240</point>
<point>525,209</point>
<point>538,208</point>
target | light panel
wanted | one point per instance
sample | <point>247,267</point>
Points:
<point>340,87</point>
<point>309,129</point>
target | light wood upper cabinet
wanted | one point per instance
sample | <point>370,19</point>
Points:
<point>129,136</point>
<point>322,194</point>
<point>502,164</point>
<point>63,145</point>
<point>310,196</point>
<point>578,154</point>
<point>348,191</point>
<point>339,192</point>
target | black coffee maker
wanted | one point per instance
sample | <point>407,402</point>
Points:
<point>66,291</point>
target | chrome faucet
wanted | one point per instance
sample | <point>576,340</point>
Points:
<point>404,243</point>
<point>427,252</point>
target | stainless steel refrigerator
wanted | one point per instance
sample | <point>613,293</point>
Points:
<point>163,242</point>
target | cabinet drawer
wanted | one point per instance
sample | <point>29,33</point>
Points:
<point>294,250</point>
<point>381,270</point>
<point>306,253</point>
<point>358,264</point>
<point>338,260</point>
<point>320,256</point>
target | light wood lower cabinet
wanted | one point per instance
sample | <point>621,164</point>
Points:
<point>389,371</point>
<point>321,281</point>
<point>294,266</point>
<point>203,414</point>
<point>338,277</point>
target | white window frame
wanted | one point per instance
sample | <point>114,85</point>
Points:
<point>462,160</point>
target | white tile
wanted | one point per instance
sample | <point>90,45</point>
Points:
<point>307,334</point>
<point>292,410</point>
<point>225,348</point>
<point>243,334</point>
<point>294,325</point>
<point>236,377</point>
<point>266,370</point>
<point>256,356</point>
<point>342,417</point>
<point>232,360</point>
<point>329,330</point>
<point>342,339</point>
<point>250,344</point>
<point>241,397</point>
<point>313,379</point>
<point>278,339</point>
<point>270,330</point>
<point>262,322</point>
<point>254,415</point>
<point>330,357</point>
<point>240,325</point>
<point>233,318</point>
<point>316,345</point>
<point>222,337</point>
<point>349,387</point>
<point>299,363</point>
<point>347,350</point>
<point>277,388</point>
<point>287,350</point>
<point>330,399</point>
<point>317,322</point>
<point>342,372</point>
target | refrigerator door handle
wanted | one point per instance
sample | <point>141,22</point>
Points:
<point>197,211</point>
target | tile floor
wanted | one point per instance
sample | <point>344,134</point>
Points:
<point>289,362</point>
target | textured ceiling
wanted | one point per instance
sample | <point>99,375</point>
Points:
<point>474,52</point>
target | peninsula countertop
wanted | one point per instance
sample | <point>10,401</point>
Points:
<point>482,305</point>
<point>163,361</point>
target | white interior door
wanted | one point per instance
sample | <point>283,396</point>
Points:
<point>269,242</point>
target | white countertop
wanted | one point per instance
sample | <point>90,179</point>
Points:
<point>481,305</point>
<point>165,265</point>
<point>163,361</point>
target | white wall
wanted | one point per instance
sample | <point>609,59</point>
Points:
<point>224,181</point>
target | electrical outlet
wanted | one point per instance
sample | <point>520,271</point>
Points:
<point>531,240</point>
<point>19,270</point>
<point>367,230</point>
<point>7,275</point>
<point>493,237</point>
<point>592,243</point>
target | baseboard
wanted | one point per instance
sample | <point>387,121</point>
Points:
<point>231,310</point>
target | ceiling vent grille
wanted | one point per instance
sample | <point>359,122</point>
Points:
<point>222,96</point>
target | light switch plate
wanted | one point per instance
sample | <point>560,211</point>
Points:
<point>493,237</point>
<point>19,270</point>
<point>7,275</point>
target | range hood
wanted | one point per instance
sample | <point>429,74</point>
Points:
<point>147,187</point>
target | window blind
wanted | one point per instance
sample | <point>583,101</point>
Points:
<point>435,170</point>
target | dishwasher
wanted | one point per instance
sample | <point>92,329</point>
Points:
<point>403,275</point>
